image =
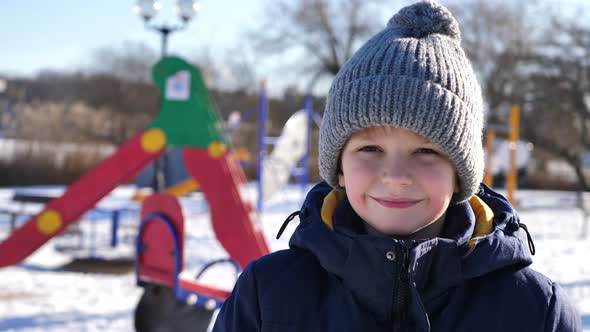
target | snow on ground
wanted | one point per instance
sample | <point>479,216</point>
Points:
<point>38,296</point>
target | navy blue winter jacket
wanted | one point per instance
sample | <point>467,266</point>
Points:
<point>337,277</point>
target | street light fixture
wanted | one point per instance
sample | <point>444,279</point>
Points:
<point>147,9</point>
<point>186,9</point>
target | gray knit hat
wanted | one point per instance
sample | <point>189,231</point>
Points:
<point>414,75</point>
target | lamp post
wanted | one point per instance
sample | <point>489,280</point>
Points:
<point>147,9</point>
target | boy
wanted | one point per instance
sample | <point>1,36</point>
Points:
<point>402,237</point>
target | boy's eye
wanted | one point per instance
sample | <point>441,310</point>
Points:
<point>426,151</point>
<point>369,148</point>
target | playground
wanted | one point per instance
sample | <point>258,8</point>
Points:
<point>154,236</point>
<point>177,293</point>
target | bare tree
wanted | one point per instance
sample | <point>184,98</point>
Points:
<point>227,72</point>
<point>530,54</point>
<point>325,33</point>
<point>495,34</point>
<point>558,92</point>
<point>133,61</point>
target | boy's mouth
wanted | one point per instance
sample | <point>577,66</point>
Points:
<point>398,203</point>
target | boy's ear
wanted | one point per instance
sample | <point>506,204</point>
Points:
<point>339,172</point>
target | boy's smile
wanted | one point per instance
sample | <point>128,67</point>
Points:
<point>396,180</point>
<point>400,203</point>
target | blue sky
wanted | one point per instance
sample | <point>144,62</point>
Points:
<point>62,34</point>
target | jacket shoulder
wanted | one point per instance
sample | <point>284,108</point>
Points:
<point>287,272</point>
<point>529,279</point>
<point>521,284</point>
<point>534,296</point>
<point>560,314</point>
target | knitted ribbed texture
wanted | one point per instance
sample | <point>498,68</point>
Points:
<point>414,75</point>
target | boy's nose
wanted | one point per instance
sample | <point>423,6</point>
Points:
<point>396,173</point>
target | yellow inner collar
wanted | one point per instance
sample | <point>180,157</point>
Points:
<point>483,214</point>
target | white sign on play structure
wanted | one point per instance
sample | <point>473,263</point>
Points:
<point>288,150</point>
<point>178,86</point>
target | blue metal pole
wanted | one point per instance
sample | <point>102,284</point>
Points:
<point>115,227</point>
<point>93,238</point>
<point>262,114</point>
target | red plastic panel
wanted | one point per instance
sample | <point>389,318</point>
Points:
<point>233,219</point>
<point>157,259</point>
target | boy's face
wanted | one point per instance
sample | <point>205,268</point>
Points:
<point>396,180</point>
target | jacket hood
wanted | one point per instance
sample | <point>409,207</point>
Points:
<point>479,237</point>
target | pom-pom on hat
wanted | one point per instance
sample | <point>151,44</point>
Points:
<point>413,75</point>
<point>425,18</point>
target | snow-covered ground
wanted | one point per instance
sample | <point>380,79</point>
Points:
<point>38,296</point>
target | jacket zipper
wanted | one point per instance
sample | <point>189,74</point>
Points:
<point>402,289</point>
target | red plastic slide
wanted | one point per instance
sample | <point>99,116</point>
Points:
<point>232,218</point>
<point>82,196</point>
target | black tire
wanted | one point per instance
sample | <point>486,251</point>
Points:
<point>158,310</point>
